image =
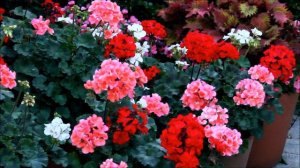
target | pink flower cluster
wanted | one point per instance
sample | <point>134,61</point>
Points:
<point>154,105</point>
<point>109,163</point>
<point>7,77</point>
<point>117,78</point>
<point>141,78</point>
<point>214,114</point>
<point>89,133</point>
<point>261,73</point>
<point>198,95</point>
<point>41,27</point>
<point>223,139</point>
<point>297,84</point>
<point>105,12</point>
<point>249,92</point>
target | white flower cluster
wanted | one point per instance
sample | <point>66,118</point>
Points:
<point>58,130</point>
<point>142,103</point>
<point>243,37</point>
<point>137,30</point>
<point>177,51</point>
<point>65,19</point>
<point>181,64</point>
<point>141,50</point>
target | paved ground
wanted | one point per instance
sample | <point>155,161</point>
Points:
<point>291,153</point>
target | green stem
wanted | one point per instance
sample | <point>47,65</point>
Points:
<point>193,65</point>
<point>17,101</point>
<point>24,121</point>
<point>199,71</point>
<point>105,111</point>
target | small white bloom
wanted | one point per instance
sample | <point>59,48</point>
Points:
<point>137,30</point>
<point>136,60</point>
<point>140,52</point>
<point>142,103</point>
<point>256,32</point>
<point>243,36</point>
<point>181,63</point>
<point>146,88</point>
<point>177,50</point>
<point>132,101</point>
<point>65,19</point>
<point>58,130</point>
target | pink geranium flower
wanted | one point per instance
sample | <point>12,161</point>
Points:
<point>109,163</point>
<point>154,105</point>
<point>249,92</point>
<point>198,95</point>
<point>7,77</point>
<point>89,133</point>
<point>214,114</point>
<point>223,139</point>
<point>41,27</point>
<point>261,73</point>
<point>297,84</point>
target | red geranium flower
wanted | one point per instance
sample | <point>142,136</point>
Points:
<point>183,140</point>
<point>2,62</point>
<point>129,122</point>
<point>280,61</point>
<point>151,72</point>
<point>227,50</point>
<point>53,9</point>
<point>122,46</point>
<point>152,27</point>
<point>201,47</point>
<point>2,11</point>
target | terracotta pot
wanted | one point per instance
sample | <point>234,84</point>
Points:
<point>266,152</point>
<point>239,160</point>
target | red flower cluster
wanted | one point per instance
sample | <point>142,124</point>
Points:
<point>201,47</point>
<point>183,140</point>
<point>152,27</point>
<point>2,11</point>
<point>227,50</point>
<point>280,61</point>
<point>122,46</point>
<point>54,10</point>
<point>129,123</point>
<point>2,62</point>
<point>151,72</point>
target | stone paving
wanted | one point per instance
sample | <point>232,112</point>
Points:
<point>291,153</point>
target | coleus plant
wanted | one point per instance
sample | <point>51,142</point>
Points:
<point>125,99</point>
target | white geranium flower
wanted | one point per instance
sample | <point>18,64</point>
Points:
<point>229,35</point>
<point>137,30</point>
<point>65,19</point>
<point>140,52</point>
<point>142,103</point>
<point>177,50</point>
<point>58,130</point>
<point>243,36</point>
<point>181,63</point>
<point>256,32</point>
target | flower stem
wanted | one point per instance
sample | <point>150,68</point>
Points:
<point>16,102</point>
<point>193,65</point>
<point>24,121</point>
<point>105,111</point>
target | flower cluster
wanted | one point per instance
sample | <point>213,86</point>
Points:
<point>122,46</point>
<point>177,51</point>
<point>183,140</point>
<point>105,12</point>
<point>141,50</point>
<point>154,105</point>
<point>223,139</point>
<point>7,77</point>
<point>151,72</point>
<point>109,163</point>
<point>89,133</point>
<point>243,37</point>
<point>2,11</point>
<point>297,84</point>
<point>58,130</point>
<point>200,47</point>
<point>214,114</point>
<point>227,50</point>
<point>152,27</point>
<point>54,10</point>
<point>249,92</point>
<point>137,30</point>
<point>198,95</point>
<point>41,27</point>
<point>117,78</point>
<point>140,76</point>
<point>280,61</point>
<point>261,74</point>
<point>129,123</point>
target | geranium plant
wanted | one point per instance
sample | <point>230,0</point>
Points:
<point>97,89</point>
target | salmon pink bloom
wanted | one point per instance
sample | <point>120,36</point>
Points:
<point>7,77</point>
<point>225,140</point>
<point>154,105</point>
<point>297,84</point>
<point>89,134</point>
<point>198,95</point>
<point>249,92</point>
<point>214,114</point>
<point>114,77</point>
<point>261,73</point>
<point>140,76</point>
<point>41,27</point>
<point>109,163</point>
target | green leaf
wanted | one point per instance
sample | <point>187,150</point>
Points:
<point>19,11</point>
<point>8,159</point>
<point>85,40</point>
<point>243,62</point>
<point>39,82</point>
<point>38,160</point>
<point>25,49</point>
<point>63,111</point>
<point>26,67</point>
<point>60,99</point>
<point>90,164</point>
<point>266,115</point>
<point>6,94</point>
